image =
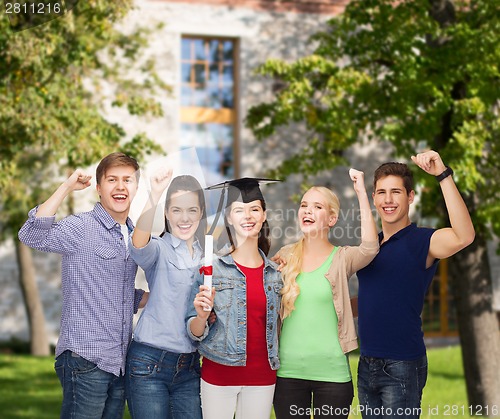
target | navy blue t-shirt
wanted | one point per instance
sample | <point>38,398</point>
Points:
<point>391,296</point>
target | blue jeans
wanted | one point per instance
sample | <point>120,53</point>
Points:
<point>89,392</point>
<point>162,384</point>
<point>390,388</point>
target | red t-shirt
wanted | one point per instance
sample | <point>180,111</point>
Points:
<point>257,371</point>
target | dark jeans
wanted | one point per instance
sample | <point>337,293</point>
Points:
<point>296,398</point>
<point>162,384</point>
<point>88,392</point>
<point>391,388</point>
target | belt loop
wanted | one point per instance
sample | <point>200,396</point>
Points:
<point>192,360</point>
<point>162,356</point>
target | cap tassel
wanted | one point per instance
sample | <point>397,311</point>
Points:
<point>219,210</point>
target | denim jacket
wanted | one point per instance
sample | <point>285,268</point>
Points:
<point>224,341</point>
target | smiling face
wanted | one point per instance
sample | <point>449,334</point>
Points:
<point>315,215</point>
<point>183,215</point>
<point>392,201</point>
<point>117,189</point>
<point>246,219</point>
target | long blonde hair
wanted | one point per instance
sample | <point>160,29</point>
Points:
<point>293,254</point>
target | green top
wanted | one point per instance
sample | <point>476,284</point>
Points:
<point>309,344</point>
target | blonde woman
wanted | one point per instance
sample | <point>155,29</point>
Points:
<point>318,326</point>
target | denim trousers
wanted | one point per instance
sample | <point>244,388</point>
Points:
<point>88,392</point>
<point>391,388</point>
<point>298,398</point>
<point>162,384</point>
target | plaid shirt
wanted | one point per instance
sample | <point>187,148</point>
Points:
<point>98,278</point>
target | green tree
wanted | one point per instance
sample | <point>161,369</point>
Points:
<point>414,73</point>
<point>55,82</point>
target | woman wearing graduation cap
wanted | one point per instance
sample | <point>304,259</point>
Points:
<point>318,326</point>
<point>240,349</point>
<point>163,366</point>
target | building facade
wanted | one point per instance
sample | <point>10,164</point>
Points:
<point>208,50</point>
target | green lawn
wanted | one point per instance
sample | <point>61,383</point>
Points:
<point>29,387</point>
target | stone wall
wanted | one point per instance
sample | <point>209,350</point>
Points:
<point>262,34</point>
<point>13,322</point>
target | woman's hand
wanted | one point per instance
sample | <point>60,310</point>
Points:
<point>279,261</point>
<point>358,179</point>
<point>160,180</point>
<point>204,301</point>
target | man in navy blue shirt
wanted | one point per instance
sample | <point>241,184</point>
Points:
<point>98,292</point>
<point>392,368</point>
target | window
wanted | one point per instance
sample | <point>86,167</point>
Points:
<point>208,97</point>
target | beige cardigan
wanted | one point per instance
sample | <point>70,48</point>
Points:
<point>346,261</point>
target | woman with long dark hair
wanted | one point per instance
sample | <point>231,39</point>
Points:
<point>239,349</point>
<point>163,366</point>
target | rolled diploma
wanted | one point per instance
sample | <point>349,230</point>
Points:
<point>209,251</point>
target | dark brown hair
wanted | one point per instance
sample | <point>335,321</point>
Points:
<point>114,160</point>
<point>394,169</point>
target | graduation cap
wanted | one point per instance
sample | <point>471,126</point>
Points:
<point>244,189</point>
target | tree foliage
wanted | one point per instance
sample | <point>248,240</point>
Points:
<point>415,73</point>
<point>56,82</point>
<point>418,74</point>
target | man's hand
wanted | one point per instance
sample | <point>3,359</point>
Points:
<point>430,162</point>
<point>447,241</point>
<point>78,181</point>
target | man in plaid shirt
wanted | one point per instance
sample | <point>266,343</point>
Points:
<point>98,277</point>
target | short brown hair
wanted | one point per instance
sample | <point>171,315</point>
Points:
<point>114,160</point>
<point>394,169</point>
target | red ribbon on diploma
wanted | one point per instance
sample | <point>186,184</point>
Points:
<point>206,270</point>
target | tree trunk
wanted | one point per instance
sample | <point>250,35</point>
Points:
<point>471,277</point>
<point>478,327</point>
<point>34,309</point>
